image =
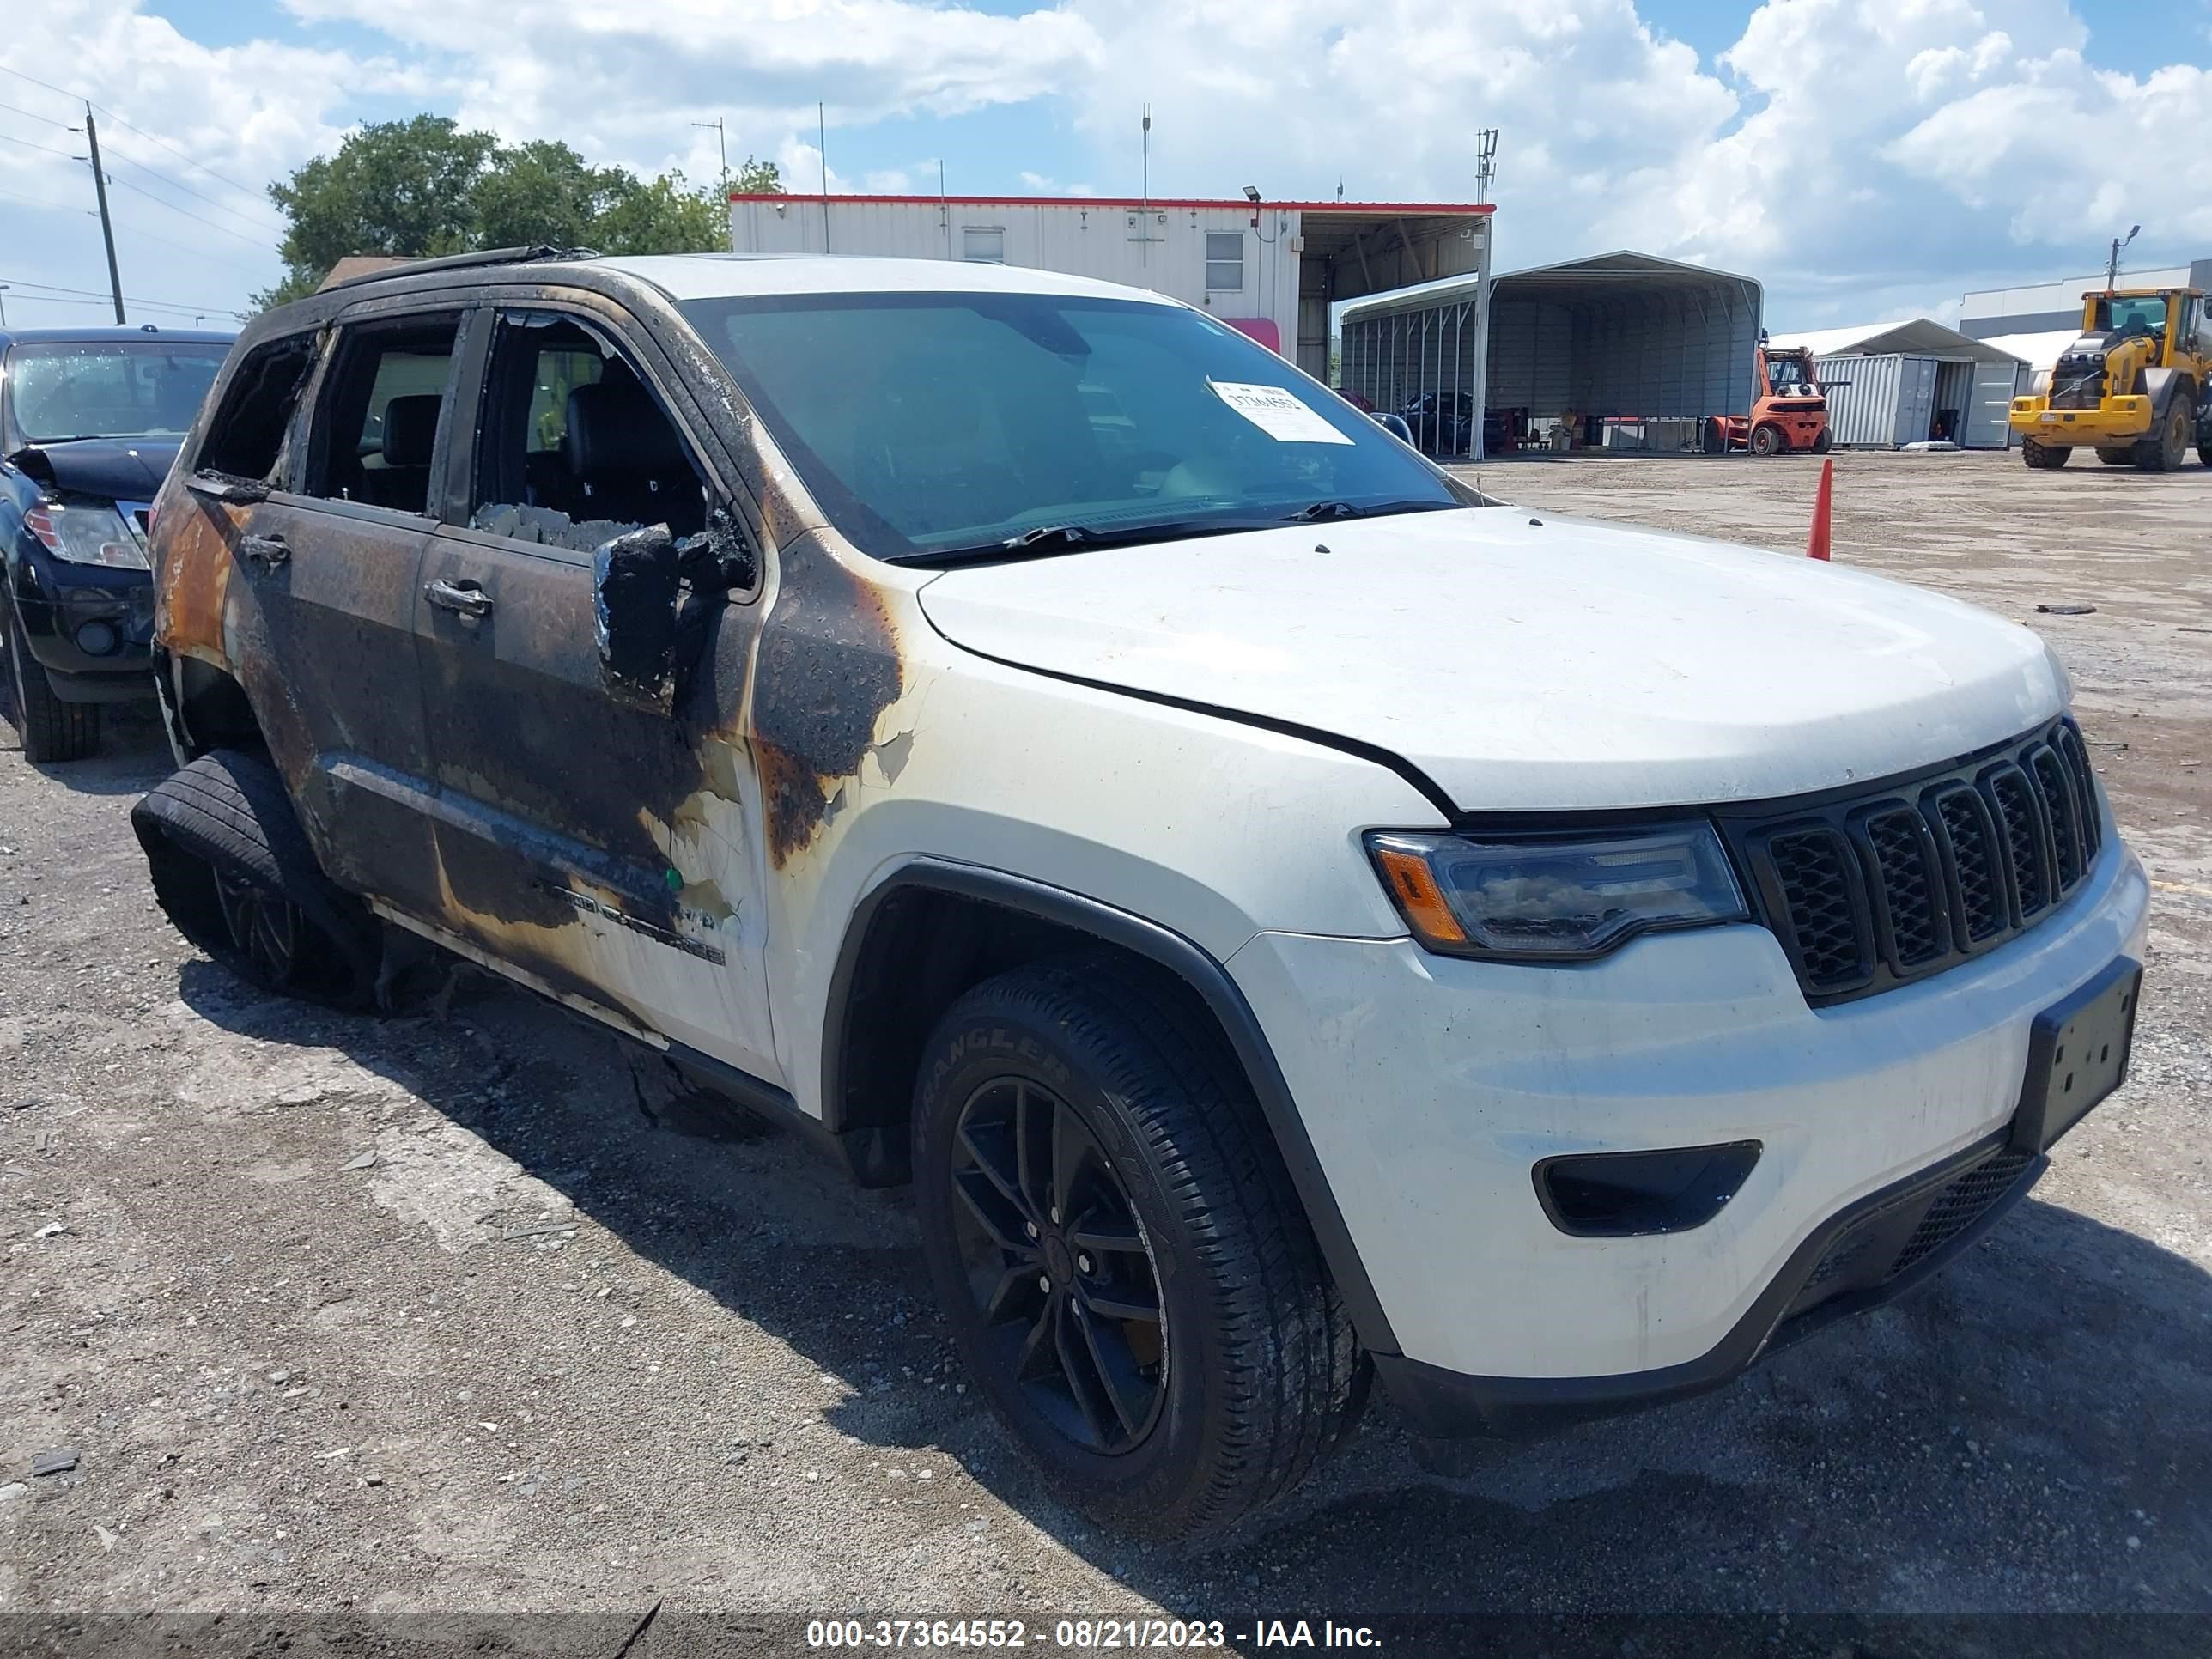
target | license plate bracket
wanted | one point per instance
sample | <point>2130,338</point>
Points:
<point>2077,1054</point>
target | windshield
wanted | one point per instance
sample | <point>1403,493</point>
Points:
<point>2144,315</point>
<point>926,425</point>
<point>1786,373</point>
<point>109,388</point>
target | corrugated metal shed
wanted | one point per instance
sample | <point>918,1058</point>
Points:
<point>1626,337</point>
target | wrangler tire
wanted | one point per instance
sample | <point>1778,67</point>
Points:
<point>235,873</point>
<point>1167,1428</point>
<point>50,729</point>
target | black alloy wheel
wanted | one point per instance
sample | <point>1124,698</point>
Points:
<point>1058,1266</point>
<point>264,927</point>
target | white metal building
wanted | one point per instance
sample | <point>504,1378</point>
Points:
<point>1889,384</point>
<point>1639,349</point>
<point>1272,269</point>
<point>2046,307</point>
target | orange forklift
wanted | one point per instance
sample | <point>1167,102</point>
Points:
<point>1790,415</point>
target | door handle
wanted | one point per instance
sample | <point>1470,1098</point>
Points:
<point>264,553</point>
<point>464,598</point>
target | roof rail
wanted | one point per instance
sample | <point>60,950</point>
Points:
<point>490,255</point>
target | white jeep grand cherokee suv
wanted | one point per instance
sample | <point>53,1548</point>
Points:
<point>1293,919</point>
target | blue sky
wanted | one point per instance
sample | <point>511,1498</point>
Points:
<point>1863,160</point>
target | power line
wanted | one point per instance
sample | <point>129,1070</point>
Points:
<point>145,167</point>
<point>196,218</point>
<point>179,183</point>
<point>157,304</point>
<point>13,109</point>
<point>58,207</point>
<point>11,138</point>
<point>151,138</point>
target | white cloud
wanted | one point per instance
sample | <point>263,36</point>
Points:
<point>1854,157</point>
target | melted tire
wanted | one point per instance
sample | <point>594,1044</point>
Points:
<point>50,729</point>
<point>1261,1373</point>
<point>223,827</point>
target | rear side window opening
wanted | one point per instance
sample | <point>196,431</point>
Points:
<point>378,423</point>
<point>246,438</point>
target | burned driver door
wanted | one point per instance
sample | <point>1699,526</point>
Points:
<point>584,622</point>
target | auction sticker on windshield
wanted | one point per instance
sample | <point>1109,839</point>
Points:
<point>1278,412</point>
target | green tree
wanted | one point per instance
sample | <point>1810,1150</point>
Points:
<point>662,215</point>
<point>421,187</point>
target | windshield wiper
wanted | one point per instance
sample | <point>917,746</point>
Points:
<point>1063,538</point>
<point>1050,535</point>
<point>1314,510</point>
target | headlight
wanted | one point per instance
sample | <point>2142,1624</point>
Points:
<point>88,535</point>
<point>1556,899</point>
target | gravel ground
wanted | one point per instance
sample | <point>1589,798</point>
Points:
<point>468,1312</point>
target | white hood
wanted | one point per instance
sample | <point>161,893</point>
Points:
<point>1565,665</point>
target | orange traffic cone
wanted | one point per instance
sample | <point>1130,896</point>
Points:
<point>1816,544</point>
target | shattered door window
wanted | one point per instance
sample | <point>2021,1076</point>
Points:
<point>574,449</point>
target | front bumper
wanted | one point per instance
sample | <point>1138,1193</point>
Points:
<point>2115,421</point>
<point>68,608</point>
<point>1432,1087</point>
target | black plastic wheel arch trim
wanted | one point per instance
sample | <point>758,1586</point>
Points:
<point>1188,962</point>
<point>1441,1403</point>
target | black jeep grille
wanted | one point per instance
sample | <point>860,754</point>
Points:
<point>1874,891</point>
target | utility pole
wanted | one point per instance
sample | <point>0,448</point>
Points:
<point>722,148</point>
<point>2113,266</point>
<point>822,147</point>
<point>106,225</point>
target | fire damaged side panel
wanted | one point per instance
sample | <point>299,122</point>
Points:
<point>311,610</point>
<point>600,842</point>
<point>830,666</point>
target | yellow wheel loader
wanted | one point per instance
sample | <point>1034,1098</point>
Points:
<point>2137,387</point>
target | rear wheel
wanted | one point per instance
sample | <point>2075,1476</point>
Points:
<point>1767,441</point>
<point>1119,1252</point>
<point>2045,458</point>
<point>233,870</point>
<point>2117,457</point>
<point>1825,441</point>
<point>51,730</point>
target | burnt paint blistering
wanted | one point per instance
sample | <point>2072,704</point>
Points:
<point>828,667</point>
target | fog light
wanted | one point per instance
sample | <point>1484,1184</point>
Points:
<point>98,639</point>
<point>1617,1194</point>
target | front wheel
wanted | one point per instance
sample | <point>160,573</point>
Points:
<point>2168,446</point>
<point>1119,1251</point>
<point>2044,458</point>
<point>51,730</point>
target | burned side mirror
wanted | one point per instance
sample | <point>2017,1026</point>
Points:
<point>635,579</point>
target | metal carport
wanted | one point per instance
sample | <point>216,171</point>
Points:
<point>1643,347</point>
